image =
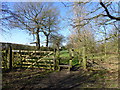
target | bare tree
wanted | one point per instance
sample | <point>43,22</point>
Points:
<point>33,17</point>
<point>28,17</point>
<point>56,40</point>
<point>82,33</point>
<point>51,23</point>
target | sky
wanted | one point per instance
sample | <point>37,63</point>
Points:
<point>22,37</point>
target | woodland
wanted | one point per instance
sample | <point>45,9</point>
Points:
<point>87,57</point>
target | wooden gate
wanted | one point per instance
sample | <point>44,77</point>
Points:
<point>27,59</point>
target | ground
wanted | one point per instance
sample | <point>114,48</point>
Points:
<point>34,79</point>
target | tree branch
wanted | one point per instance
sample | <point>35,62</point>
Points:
<point>108,14</point>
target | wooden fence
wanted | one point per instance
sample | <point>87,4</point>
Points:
<point>27,59</point>
<point>12,58</point>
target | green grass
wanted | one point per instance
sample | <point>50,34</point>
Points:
<point>65,57</point>
<point>75,61</point>
<point>64,53</point>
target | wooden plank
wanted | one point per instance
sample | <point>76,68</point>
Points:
<point>38,63</point>
<point>47,64</point>
<point>31,59</point>
<point>64,65</point>
<point>32,51</point>
<point>43,64</point>
<point>25,55</point>
<point>39,60</point>
<point>36,66</point>
<point>47,60</point>
<point>44,67</point>
<point>31,55</point>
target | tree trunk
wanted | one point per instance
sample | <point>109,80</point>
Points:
<point>37,39</point>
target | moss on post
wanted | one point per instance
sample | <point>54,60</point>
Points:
<point>70,63</point>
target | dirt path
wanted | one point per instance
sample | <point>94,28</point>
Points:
<point>36,79</point>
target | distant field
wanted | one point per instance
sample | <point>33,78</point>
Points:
<point>64,53</point>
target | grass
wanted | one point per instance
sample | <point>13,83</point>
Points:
<point>65,57</point>
<point>64,53</point>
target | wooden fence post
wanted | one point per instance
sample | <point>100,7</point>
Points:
<point>20,58</point>
<point>6,59</point>
<point>56,58</point>
<point>10,57</point>
<point>84,59</point>
<point>70,64</point>
<point>71,53</point>
<point>79,56</point>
